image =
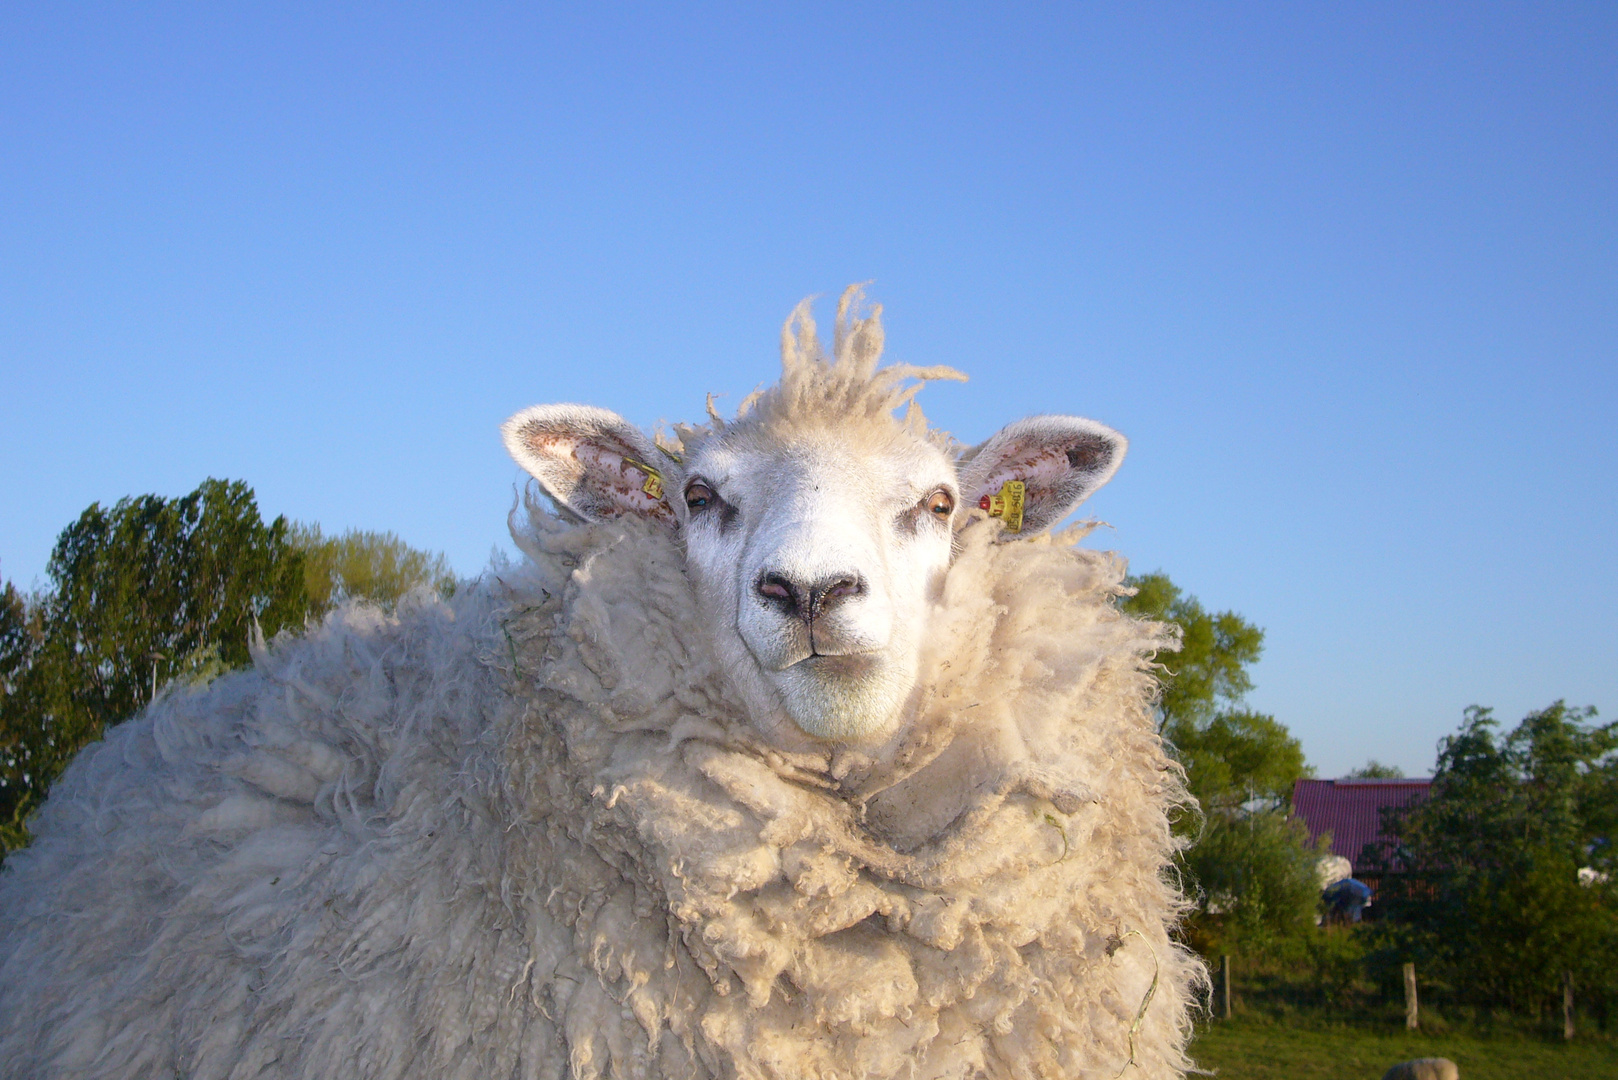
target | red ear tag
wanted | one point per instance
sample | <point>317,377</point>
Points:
<point>1007,505</point>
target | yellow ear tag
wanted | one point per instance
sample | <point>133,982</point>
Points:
<point>1007,506</point>
<point>654,479</point>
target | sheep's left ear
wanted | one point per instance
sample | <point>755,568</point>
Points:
<point>1059,461</point>
<point>595,464</point>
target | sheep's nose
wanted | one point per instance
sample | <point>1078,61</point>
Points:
<point>807,600</point>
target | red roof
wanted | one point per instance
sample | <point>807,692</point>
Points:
<point>1351,810</point>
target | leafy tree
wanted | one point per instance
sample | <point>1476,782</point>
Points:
<point>1233,756</point>
<point>1216,649</point>
<point>154,590</point>
<point>1257,874</point>
<point>1253,866</point>
<point>1492,898</point>
<point>146,591</point>
<point>374,566</point>
<point>20,634</point>
<point>1239,758</point>
<point>18,641</point>
<point>1375,770</point>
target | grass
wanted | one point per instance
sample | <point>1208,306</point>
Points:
<point>1244,1049</point>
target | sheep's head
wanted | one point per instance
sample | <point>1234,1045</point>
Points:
<point>818,525</point>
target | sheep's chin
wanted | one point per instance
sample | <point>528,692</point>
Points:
<point>837,699</point>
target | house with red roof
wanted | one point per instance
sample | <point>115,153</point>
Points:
<point>1351,811</point>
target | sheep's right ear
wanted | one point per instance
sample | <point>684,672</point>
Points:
<point>592,462</point>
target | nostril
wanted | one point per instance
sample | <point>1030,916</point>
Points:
<point>848,585</point>
<point>775,587</point>
<point>778,591</point>
<point>834,591</point>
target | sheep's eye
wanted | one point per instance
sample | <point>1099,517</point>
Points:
<point>941,504</point>
<point>698,496</point>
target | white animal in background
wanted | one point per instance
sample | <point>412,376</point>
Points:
<point>795,747</point>
<point>1332,869</point>
<point>1424,1069</point>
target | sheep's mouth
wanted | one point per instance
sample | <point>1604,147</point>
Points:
<point>858,665</point>
<point>815,651</point>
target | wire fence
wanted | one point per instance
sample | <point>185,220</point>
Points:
<point>1342,979</point>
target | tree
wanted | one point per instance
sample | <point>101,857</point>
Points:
<point>1254,868</point>
<point>20,635</point>
<point>1492,898</point>
<point>1232,755</point>
<point>144,592</point>
<point>1258,878</point>
<point>374,566</point>
<point>1239,758</point>
<point>1216,650</point>
<point>153,587</point>
<point>154,590</point>
<point>1375,770</point>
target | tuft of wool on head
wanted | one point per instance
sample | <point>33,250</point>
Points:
<point>845,391</point>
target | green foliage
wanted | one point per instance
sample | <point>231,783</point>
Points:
<point>1254,868</point>
<point>20,749</point>
<point>154,591</point>
<point>152,581</point>
<point>1494,903</point>
<point>19,640</point>
<point>1375,770</point>
<point>1210,669</point>
<point>145,592</point>
<point>1238,757</point>
<point>377,567</point>
<point>1257,873</point>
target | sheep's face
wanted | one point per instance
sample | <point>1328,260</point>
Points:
<point>817,527</point>
<point>815,562</point>
<point>816,556</point>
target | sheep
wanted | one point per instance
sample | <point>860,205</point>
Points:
<point>794,746</point>
<point>1427,1068</point>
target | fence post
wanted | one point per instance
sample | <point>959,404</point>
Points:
<point>1224,984</point>
<point>1567,1005</point>
<point>1411,1013</point>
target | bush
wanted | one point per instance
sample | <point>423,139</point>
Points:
<point>1259,888</point>
<point>1492,904</point>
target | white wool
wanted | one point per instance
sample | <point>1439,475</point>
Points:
<point>1427,1068</point>
<point>526,834</point>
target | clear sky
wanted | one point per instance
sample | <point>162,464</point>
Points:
<point>1346,275</point>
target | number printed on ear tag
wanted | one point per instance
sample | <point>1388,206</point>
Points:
<point>654,479</point>
<point>1007,506</point>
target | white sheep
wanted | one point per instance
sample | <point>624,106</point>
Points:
<point>1427,1068</point>
<point>769,760</point>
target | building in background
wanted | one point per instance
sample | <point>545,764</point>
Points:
<point>1350,810</point>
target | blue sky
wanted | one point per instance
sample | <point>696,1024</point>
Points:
<point>1346,276</point>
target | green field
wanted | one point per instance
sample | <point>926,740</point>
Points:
<point>1238,1050</point>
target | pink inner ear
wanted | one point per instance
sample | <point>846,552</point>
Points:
<point>1040,468</point>
<point>610,473</point>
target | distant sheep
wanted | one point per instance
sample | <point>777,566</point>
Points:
<point>769,760</point>
<point>1424,1069</point>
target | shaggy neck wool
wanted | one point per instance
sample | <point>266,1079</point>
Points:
<point>984,895</point>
